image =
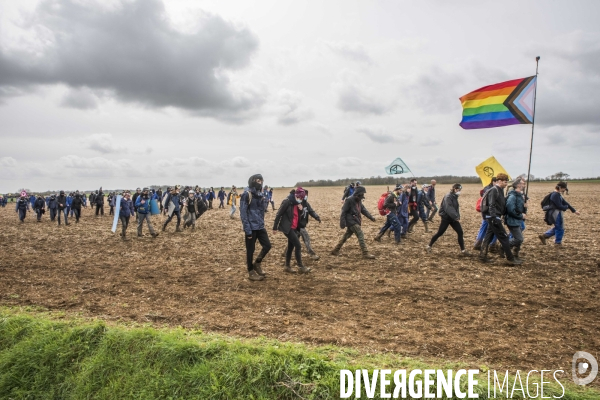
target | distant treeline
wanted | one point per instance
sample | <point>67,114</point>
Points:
<point>390,180</point>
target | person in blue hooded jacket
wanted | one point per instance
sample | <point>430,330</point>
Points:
<point>69,203</point>
<point>558,206</point>
<point>53,207</point>
<point>252,215</point>
<point>515,215</point>
<point>21,207</point>
<point>222,195</point>
<point>125,213</point>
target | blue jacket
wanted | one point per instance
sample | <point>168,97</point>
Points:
<point>431,194</point>
<point>126,208</point>
<point>422,203</point>
<point>210,195</point>
<point>515,207</point>
<point>403,209</point>
<point>69,201</point>
<point>143,208</point>
<point>222,195</point>
<point>558,202</point>
<point>52,203</point>
<point>252,213</point>
<point>32,199</point>
<point>23,205</point>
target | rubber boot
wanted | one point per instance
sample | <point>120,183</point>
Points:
<point>379,236</point>
<point>426,226</point>
<point>513,261</point>
<point>254,276</point>
<point>543,238</point>
<point>258,269</point>
<point>178,229</point>
<point>516,253</point>
<point>410,227</point>
<point>483,252</point>
<point>164,228</point>
<point>494,248</point>
<point>389,233</point>
<point>477,245</point>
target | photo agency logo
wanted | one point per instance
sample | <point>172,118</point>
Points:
<point>437,384</point>
<point>584,368</point>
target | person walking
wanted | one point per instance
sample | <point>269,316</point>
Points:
<point>555,214</point>
<point>252,215</point>
<point>413,205</point>
<point>516,215</point>
<point>53,207</point>
<point>423,204</point>
<point>348,191</point>
<point>137,193</point>
<point>99,201</point>
<point>191,211</point>
<point>22,206</point>
<point>221,196</point>
<point>271,199</point>
<point>287,222</point>
<point>76,204</point>
<point>125,213</point>
<point>351,220</point>
<point>431,196</point>
<point>210,197</point>
<point>173,204</point>
<point>61,200</point>
<point>40,207</point>
<point>143,209</point>
<point>233,201</point>
<point>493,207</point>
<point>450,215</point>
<point>391,208</point>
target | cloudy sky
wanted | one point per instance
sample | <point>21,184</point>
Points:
<point>138,92</point>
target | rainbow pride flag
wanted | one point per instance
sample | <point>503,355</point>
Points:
<point>502,104</point>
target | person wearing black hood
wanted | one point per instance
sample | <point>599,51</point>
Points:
<point>450,213</point>
<point>39,207</point>
<point>21,207</point>
<point>61,200</point>
<point>413,204</point>
<point>99,201</point>
<point>287,221</point>
<point>76,206</point>
<point>307,211</point>
<point>252,214</point>
<point>350,219</point>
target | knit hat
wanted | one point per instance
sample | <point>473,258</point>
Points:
<point>300,193</point>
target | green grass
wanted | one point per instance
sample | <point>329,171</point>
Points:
<point>45,358</point>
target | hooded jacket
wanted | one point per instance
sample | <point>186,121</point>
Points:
<point>39,203</point>
<point>77,202</point>
<point>515,207</point>
<point>285,214</point>
<point>252,210</point>
<point>496,203</point>
<point>61,200</point>
<point>449,207</point>
<point>353,209</point>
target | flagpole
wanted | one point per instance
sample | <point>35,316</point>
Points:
<point>537,61</point>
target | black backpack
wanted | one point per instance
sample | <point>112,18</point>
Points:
<point>484,201</point>
<point>546,202</point>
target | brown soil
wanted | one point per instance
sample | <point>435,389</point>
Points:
<point>405,301</point>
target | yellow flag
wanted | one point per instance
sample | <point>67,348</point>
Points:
<point>488,169</point>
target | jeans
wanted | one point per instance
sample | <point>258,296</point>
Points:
<point>403,223</point>
<point>53,212</point>
<point>65,213</point>
<point>558,229</point>
<point>99,209</point>
<point>446,221</point>
<point>392,223</point>
<point>77,212</point>
<point>516,234</point>
<point>482,231</point>
<point>38,211</point>
<point>263,238</point>
<point>302,232</point>
<point>221,205</point>
<point>178,214</point>
<point>124,224</point>
<point>22,214</point>
<point>431,212</point>
<point>232,211</point>
<point>190,219</point>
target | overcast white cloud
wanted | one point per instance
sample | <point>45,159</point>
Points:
<point>128,93</point>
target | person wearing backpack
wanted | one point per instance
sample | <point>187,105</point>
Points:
<point>173,205</point>
<point>493,207</point>
<point>484,223</point>
<point>516,213</point>
<point>556,207</point>
<point>351,220</point>
<point>450,214</point>
<point>252,215</point>
<point>389,208</point>
<point>348,191</point>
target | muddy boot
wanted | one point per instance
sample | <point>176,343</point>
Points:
<point>313,256</point>
<point>154,234</point>
<point>379,236</point>
<point>426,226</point>
<point>483,252</point>
<point>389,234</point>
<point>258,269</point>
<point>410,227</point>
<point>335,252</point>
<point>178,229</point>
<point>288,269</point>
<point>465,253</point>
<point>164,228</point>
<point>368,256</point>
<point>513,261</point>
<point>254,276</point>
<point>516,253</point>
<point>543,238</point>
<point>494,248</point>
<point>477,245</point>
<point>302,269</point>
<point>501,253</point>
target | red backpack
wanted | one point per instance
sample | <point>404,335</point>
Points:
<point>381,202</point>
<point>478,205</point>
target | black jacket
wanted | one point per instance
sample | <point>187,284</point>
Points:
<point>391,203</point>
<point>449,207</point>
<point>39,204</point>
<point>61,200</point>
<point>77,203</point>
<point>99,199</point>
<point>306,211</point>
<point>496,203</point>
<point>285,215</point>
<point>352,210</point>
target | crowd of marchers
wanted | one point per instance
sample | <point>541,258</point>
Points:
<point>502,204</point>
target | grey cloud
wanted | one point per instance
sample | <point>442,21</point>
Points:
<point>290,109</point>
<point>355,97</point>
<point>102,143</point>
<point>97,167</point>
<point>82,99</point>
<point>349,161</point>
<point>133,52</point>
<point>8,162</point>
<point>376,135</point>
<point>350,51</point>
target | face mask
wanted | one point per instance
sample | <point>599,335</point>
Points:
<point>298,200</point>
<point>458,193</point>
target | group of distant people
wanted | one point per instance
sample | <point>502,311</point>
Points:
<point>402,208</point>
